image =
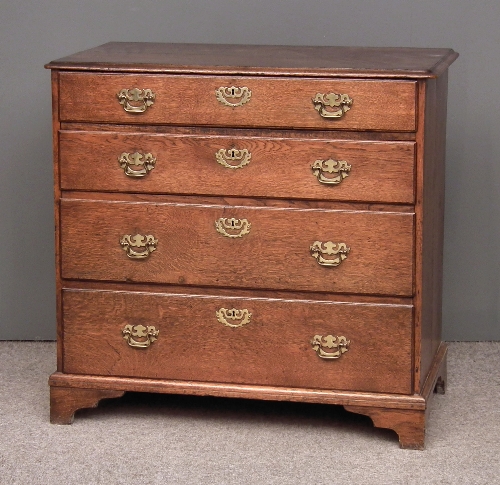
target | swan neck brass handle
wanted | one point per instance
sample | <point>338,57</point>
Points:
<point>136,165</point>
<point>332,105</point>
<point>138,246</point>
<point>233,318</point>
<point>233,158</point>
<point>337,171</point>
<point>136,100</point>
<point>232,227</point>
<point>329,253</point>
<point>335,346</point>
<point>233,96</point>
<point>140,336</point>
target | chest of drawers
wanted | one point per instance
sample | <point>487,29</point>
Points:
<point>251,221</point>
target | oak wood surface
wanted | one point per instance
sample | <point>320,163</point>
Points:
<point>274,254</point>
<point>386,295</point>
<point>242,292</point>
<point>65,401</point>
<point>57,195</point>
<point>437,375</point>
<point>229,201</point>
<point>274,348</point>
<point>270,393</point>
<point>430,218</point>
<point>341,61</point>
<point>278,167</point>
<point>409,425</point>
<point>303,134</point>
<point>275,102</point>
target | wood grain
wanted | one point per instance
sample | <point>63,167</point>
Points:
<point>57,195</point>
<point>385,297</point>
<point>65,401</point>
<point>275,102</point>
<point>297,133</point>
<point>409,425</point>
<point>274,348</point>
<point>279,167</point>
<point>430,224</point>
<point>242,292</point>
<point>341,61</point>
<point>275,254</point>
<point>245,391</point>
<point>228,201</point>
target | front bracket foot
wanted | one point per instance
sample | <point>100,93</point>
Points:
<point>65,401</point>
<point>408,424</point>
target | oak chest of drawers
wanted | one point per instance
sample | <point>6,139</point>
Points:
<point>257,222</point>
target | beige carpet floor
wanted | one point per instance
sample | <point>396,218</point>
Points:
<point>163,439</point>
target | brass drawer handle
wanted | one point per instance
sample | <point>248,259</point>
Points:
<point>241,316</point>
<point>339,169</point>
<point>136,164</point>
<point>340,344</point>
<point>233,155</point>
<point>231,227</point>
<point>329,248</point>
<point>242,94</point>
<point>146,335</point>
<point>147,243</point>
<point>136,100</point>
<point>327,104</point>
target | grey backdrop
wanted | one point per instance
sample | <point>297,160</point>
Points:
<point>33,32</point>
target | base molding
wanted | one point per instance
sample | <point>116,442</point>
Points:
<point>405,414</point>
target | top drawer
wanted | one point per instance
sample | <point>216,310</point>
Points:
<point>238,101</point>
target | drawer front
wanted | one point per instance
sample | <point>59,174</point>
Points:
<point>251,247</point>
<point>238,340</point>
<point>273,102</point>
<point>238,166</point>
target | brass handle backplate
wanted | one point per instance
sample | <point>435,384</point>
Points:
<point>332,105</point>
<point>339,251</point>
<point>233,318</point>
<point>146,245</point>
<point>233,158</point>
<point>241,95</point>
<point>140,336</point>
<point>338,170</point>
<point>136,100</point>
<point>136,164</point>
<point>340,344</point>
<point>231,227</point>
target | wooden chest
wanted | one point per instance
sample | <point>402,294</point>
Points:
<point>251,221</point>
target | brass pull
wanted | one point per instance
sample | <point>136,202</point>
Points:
<point>242,316</point>
<point>242,94</point>
<point>327,104</point>
<point>146,335</point>
<point>136,100</point>
<point>233,155</point>
<point>144,163</point>
<point>226,227</point>
<point>338,168</point>
<point>341,344</point>
<point>339,250</point>
<point>148,243</point>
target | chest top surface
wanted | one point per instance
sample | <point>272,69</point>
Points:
<point>371,62</point>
